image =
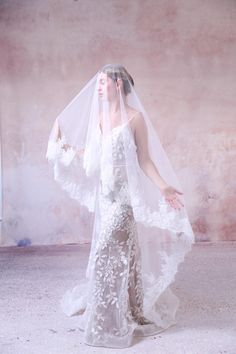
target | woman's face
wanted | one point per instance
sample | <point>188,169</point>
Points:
<point>107,88</point>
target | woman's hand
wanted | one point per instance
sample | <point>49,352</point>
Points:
<point>171,196</point>
<point>80,153</point>
<point>66,147</point>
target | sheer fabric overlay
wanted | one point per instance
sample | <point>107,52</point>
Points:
<point>138,240</point>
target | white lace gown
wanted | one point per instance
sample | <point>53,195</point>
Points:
<point>110,303</point>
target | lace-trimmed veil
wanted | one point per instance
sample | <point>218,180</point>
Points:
<point>80,149</point>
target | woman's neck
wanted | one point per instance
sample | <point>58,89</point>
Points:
<point>115,106</point>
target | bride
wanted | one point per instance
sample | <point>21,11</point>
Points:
<point>107,155</point>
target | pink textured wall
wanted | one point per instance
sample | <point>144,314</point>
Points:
<point>182,55</point>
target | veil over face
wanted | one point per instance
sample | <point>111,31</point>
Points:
<point>94,152</point>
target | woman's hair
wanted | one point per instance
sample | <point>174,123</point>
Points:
<point>115,72</point>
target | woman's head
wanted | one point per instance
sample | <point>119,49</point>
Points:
<point>113,77</point>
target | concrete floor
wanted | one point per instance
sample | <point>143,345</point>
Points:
<point>34,278</point>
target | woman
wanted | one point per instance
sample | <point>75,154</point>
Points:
<point>107,155</point>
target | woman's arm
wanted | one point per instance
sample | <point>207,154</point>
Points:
<point>147,165</point>
<point>66,146</point>
<point>58,135</point>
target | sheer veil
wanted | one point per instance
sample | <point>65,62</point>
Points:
<point>81,151</point>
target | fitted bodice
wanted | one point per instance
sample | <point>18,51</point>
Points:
<point>120,142</point>
<point>117,154</point>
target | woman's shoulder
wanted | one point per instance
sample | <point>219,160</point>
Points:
<point>135,119</point>
<point>133,113</point>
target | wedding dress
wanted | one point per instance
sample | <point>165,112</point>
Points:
<point>138,241</point>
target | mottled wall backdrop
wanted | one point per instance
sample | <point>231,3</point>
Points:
<point>182,55</point>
